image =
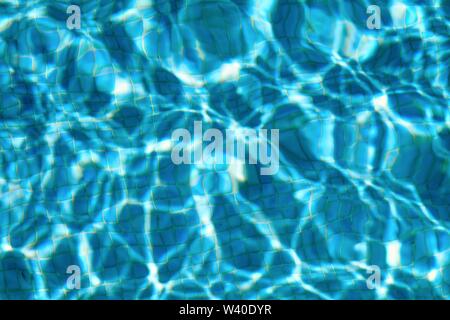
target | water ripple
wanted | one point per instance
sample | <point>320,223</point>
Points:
<point>86,177</point>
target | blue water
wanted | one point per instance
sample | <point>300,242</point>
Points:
<point>86,177</point>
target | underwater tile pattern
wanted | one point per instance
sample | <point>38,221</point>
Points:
<point>86,177</point>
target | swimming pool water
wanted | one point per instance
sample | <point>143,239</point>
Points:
<point>87,179</point>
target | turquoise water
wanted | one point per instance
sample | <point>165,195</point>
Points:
<point>87,180</point>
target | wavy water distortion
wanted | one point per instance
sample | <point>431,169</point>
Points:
<point>87,180</point>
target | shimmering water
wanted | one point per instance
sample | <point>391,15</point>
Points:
<point>86,177</point>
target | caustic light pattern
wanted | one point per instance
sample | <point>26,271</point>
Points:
<point>86,177</point>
